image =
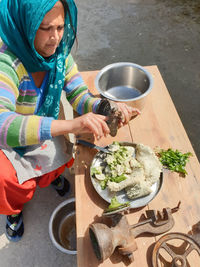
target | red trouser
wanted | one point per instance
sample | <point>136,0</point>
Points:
<point>12,194</point>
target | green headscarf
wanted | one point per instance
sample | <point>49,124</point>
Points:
<point>20,20</point>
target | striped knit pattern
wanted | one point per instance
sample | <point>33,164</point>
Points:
<point>19,97</point>
<point>77,92</point>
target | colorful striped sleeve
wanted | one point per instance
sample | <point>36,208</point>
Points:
<point>77,91</point>
<point>17,129</point>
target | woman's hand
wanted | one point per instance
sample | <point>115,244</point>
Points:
<point>91,123</point>
<point>128,112</point>
<point>87,123</point>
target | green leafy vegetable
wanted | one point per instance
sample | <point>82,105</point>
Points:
<point>115,205</point>
<point>95,170</point>
<point>174,160</point>
<point>103,184</point>
<point>118,179</point>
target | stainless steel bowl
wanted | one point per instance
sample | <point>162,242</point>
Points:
<point>124,82</point>
<point>62,227</point>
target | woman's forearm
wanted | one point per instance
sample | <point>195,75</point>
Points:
<point>87,123</point>
<point>61,127</point>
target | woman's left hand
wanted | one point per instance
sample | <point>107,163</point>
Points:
<point>128,112</point>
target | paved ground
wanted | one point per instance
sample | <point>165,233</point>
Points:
<point>36,248</point>
<point>146,32</point>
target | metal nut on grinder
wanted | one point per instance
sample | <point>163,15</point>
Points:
<point>114,116</point>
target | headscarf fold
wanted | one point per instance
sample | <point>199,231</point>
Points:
<point>20,20</point>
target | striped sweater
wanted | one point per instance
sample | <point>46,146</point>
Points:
<point>19,101</point>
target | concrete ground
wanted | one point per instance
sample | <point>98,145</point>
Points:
<point>36,249</point>
<point>147,32</point>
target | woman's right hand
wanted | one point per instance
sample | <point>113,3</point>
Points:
<point>87,123</point>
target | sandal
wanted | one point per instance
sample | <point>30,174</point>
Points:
<point>61,185</point>
<point>14,227</point>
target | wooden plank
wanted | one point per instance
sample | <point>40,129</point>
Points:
<point>164,129</point>
<point>92,202</point>
<point>158,125</point>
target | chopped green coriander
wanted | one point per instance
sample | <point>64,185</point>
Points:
<point>174,160</point>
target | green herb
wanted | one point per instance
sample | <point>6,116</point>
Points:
<point>103,183</point>
<point>118,179</point>
<point>115,205</point>
<point>174,160</point>
<point>116,143</point>
<point>95,170</point>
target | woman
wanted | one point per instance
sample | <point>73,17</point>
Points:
<point>35,66</point>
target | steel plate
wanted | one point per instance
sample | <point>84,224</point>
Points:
<point>107,195</point>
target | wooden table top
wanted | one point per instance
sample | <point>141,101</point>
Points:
<point>158,126</point>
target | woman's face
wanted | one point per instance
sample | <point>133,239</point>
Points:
<point>50,32</point>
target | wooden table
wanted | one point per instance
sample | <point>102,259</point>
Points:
<point>158,125</point>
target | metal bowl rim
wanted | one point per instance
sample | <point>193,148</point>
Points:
<point>119,64</point>
<point>58,246</point>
